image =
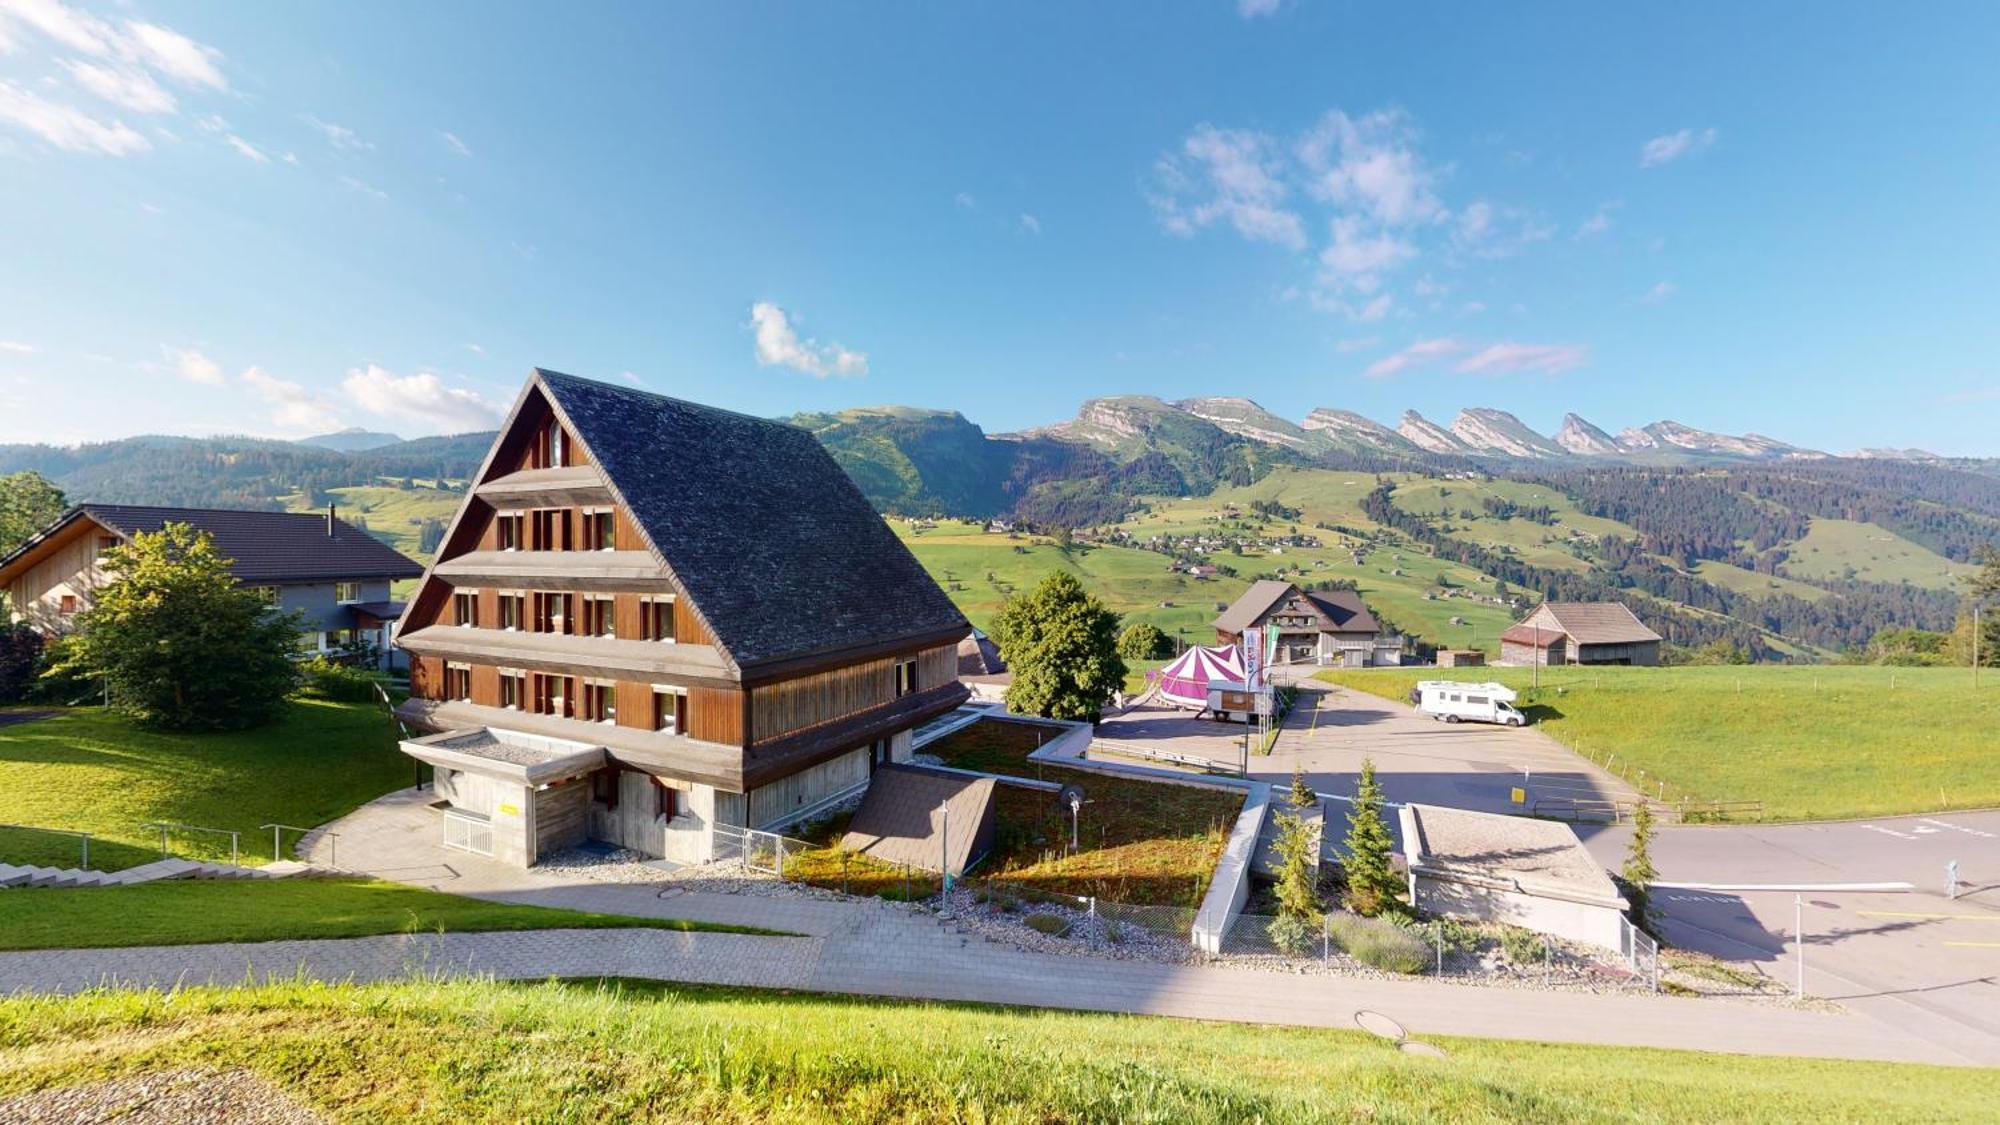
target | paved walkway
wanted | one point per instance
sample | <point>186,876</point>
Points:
<point>869,947</point>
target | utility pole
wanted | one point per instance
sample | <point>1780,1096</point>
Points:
<point>944,846</point>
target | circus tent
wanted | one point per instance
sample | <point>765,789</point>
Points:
<point>1184,683</point>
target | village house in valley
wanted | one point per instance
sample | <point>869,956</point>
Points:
<point>334,573</point>
<point>654,622</point>
<point>1314,626</point>
<point>1580,633</point>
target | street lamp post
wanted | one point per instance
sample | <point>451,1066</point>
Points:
<point>944,846</point>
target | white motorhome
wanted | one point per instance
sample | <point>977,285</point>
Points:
<point>1450,701</point>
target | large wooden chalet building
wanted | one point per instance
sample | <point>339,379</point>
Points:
<point>652,620</point>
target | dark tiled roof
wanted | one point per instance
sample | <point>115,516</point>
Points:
<point>270,547</point>
<point>899,821</point>
<point>1343,609</point>
<point>1599,623</point>
<point>1529,635</point>
<point>777,548</point>
<point>1245,610</point>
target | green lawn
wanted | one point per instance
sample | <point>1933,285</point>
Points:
<point>191,911</point>
<point>1812,743</point>
<point>1837,549</point>
<point>91,771</point>
<point>588,1051</point>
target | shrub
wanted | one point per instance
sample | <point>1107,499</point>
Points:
<point>1523,947</point>
<point>1456,936</point>
<point>1293,935</point>
<point>1381,944</point>
<point>1049,924</point>
<point>20,660</point>
<point>337,682</point>
<point>1143,640</point>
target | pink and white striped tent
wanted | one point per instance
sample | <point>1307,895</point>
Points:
<point>1184,683</point>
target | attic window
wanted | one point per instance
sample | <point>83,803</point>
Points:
<point>512,530</point>
<point>656,619</point>
<point>906,678</point>
<point>600,530</point>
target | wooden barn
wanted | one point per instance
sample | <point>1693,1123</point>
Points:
<point>1580,633</point>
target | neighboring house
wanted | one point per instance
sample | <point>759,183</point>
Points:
<point>980,668</point>
<point>659,624</point>
<point>1314,627</point>
<point>1579,633</point>
<point>336,574</point>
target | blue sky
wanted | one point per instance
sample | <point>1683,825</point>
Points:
<point>286,218</point>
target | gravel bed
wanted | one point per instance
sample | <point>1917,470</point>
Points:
<point>166,1097</point>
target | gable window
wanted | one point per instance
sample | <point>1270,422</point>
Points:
<point>68,604</point>
<point>669,710</point>
<point>906,678</point>
<point>513,689</point>
<point>597,617</point>
<point>465,608</point>
<point>346,592</point>
<point>600,702</point>
<point>600,530</point>
<point>551,529</point>
<point>513,610</point>
<point>511,529</point>
<point>551,612</point>
<point>106,543</point>
<point>458,681</point>
<point>551,447</point>
<point>656,619</point>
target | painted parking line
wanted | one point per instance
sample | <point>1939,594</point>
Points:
<point>1888,832</point>
<point>1958,828</point>
<point>1929,917</point>
<point>1731,899</point>
<point>1974,944</point>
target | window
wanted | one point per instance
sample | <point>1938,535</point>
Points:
<point>512,528</point>
<point>266,594</point>
<point>597,617</point>
<point>345,592</point>
<point>666,800</point>
<point>604,788</point>
<point>550,694</point>
<point>513,611</point>
<point>551,528</point>
<point>458,681</point>
<point>656,619</point>
<point>906,678</point>
<point>551,613</point>
<point>513,689</point>
<point>669,711</point>
<point>106,543</point>
<point>68,604</point>
<point>600,702</point>
<point>465,608</point>
<point>600,530</point>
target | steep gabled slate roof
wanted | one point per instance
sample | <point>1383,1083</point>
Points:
<point>1599,623</point>
<point>1246,609</point>
<point>1343,609</point>
<point>265,547</point>
<point>779,551</point>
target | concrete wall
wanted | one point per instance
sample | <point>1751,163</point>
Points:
<point>1592,924</point>
<point>562,816</point>
<point>636,822</point>
<point>784,801</point>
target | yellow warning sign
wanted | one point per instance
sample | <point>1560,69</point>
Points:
<point>1520,795</point>
<point>515,810</point>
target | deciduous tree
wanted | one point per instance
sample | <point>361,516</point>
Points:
<point>28,503</point>
<point>1142,640</point>
<point>177,642</point>
<point>1061,644</point>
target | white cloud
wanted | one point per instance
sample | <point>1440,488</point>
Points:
<point>339,136</point>
<point>1598,222</point>
<point>1472,308</point>
<point>1488,231</point>
<point>1371,164</point>
<point>176,56</point>
<point>364,188</point>
<point>1659,292</point>
<point>293,407</point>
<point>1227,175</point>
<point>1357,344</point>
<point>1355,259</point>
<point>250,152</point>
<point>1420,354</point>
<point>193,366</point>
<point>1251,9</point>
<point>1506,358</point>
<point>79,31</point>
<point>423,398</point>
<point>779,345</point>
<point>66,127</point>
<point>1673,146</point>
<point>452,142</point>
<point>1030,224</point>
<point>632,378</point>
<point>129,89</point>
<point>16,347</point>
<point>475,349</point>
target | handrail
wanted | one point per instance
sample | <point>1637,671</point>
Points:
<point>83,836</point>
<point>277,852</point>
<point>166,827</point>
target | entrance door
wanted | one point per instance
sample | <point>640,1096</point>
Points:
<point>878,755</point>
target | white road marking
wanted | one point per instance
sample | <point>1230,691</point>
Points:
<point>1888,832</point>
<point>1957,828</point>
<point>1923,829</point>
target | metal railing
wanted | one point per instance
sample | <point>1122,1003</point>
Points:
<point>84,837</point>
<point>167,828</point>
<point>277,845</point>
<point>1641,952</point>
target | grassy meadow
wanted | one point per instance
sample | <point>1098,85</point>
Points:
<point>185,912</point>
<point>1833,548</point>
<point>89,770</point>
<point>1812,743</point>
<point>619,1051</point>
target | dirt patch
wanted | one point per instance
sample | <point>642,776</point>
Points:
<point>166,1097</point>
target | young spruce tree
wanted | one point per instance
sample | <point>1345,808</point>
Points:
<point>1639,871</point>
<point>1372,886</point>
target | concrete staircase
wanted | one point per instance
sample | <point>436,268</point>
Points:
<point>18,875</point>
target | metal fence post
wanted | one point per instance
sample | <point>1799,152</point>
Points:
<point>843,872</point>
<point>1439,931</point>
<point>779,844</point>
<point>235,859</point>
<point>333,851</point>
<point>276,852</point>
<point>163,841</point>
<point>86,851</point>
<point>1325,938</point>
<point>1093,921</point>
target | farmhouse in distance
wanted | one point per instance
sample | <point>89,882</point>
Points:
<point>1580,633</point>
<point>653,622</point>
<point>1314,626</point>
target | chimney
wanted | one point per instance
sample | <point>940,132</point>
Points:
<point>330,524</point>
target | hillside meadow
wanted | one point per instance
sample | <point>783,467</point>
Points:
<point>438,1051</point>
<point>1811,742</point>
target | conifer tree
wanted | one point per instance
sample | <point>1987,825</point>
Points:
<point>1372,886</point>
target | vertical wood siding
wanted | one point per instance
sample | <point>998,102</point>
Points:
<point>716,715</point>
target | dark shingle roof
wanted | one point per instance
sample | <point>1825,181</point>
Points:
<point>269,547</point>
<point>1343,609</point>
<point>1599,623</point>
<point>779,551</point>
<point>899,822</point>
<point>1346,610</point>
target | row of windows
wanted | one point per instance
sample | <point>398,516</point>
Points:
<point>546,693</point>
<point>580,615</point>
<point>550,529</point>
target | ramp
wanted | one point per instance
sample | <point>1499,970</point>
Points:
<point>903,819</point>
